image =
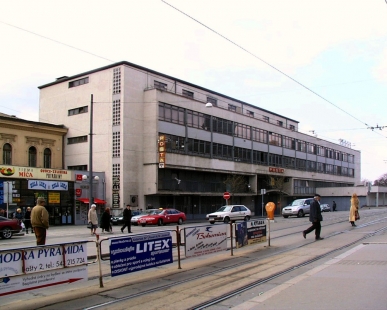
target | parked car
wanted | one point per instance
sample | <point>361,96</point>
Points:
<point>119,219</point>
<point>162,217</point>
<point>136,217</point>
<point>298,207</point>
<point>229,213</point>
<point>9,227</point>
<point>325,207</point>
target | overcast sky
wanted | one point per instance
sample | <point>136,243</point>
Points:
<point>336,50</point>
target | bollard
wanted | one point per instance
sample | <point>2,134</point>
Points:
<point>178,241</point>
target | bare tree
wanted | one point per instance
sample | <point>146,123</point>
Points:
<point>382,181</point>
<point>235,183</point>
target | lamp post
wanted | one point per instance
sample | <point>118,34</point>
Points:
<point>91,199</point>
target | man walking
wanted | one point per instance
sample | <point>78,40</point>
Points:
<point>315,217</point>
<point>127,216</point>
<point>39,221</point>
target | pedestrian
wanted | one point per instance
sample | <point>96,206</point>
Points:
<point>127,219</point>
<point>92,219</point>
<point>39,221</point>
<point>334,206</point>
<point>18,215</point>
<point>27,220</point>
<point>315,217</point>
<point>354,209</point>
<point>106,221</point>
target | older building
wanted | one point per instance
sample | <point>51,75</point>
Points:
<point>32,166</point>
<point>164,142</point>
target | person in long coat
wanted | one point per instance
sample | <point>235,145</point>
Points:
<point>127,214</point>
<point>315,217</point>
<point>106,221</point>
<point>354,208</point>
<point>92,218</point>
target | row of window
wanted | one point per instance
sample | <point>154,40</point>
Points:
<point>32,156</point>
<point>214,102</point>
<point>178,115</point>
<point>195,147</point>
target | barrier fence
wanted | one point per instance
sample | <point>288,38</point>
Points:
<point>41,266</point>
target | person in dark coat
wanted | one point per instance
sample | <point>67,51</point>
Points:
<point>127,216</point>
<point>334,206</point>
<point>106,221</point>
<point>315,217</point>
<point>27,220</point>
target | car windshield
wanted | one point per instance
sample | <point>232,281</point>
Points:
<point>298,202</point>
<point>120,215</point>
<point>224,209</point>
<point>155,212</point>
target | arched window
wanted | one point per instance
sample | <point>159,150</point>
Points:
<point>47,158</point>
<point>32,156</point>
<point>7,154</point>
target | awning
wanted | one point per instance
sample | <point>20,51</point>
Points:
<point>96,200</point>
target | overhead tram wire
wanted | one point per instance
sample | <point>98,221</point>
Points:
<point>265,62</point>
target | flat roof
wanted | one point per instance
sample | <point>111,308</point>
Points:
<point>126,63</point>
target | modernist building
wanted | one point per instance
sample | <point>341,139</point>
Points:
<point>164,142</point>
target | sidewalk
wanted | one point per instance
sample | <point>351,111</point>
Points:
<point>354,280</point>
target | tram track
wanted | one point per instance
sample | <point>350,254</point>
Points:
<point>246,262</point>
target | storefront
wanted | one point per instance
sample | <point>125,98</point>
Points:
<point>21,186</point>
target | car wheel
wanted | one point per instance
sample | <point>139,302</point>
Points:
<point>247,218</point>
<point>6,233</point>
<point>160,222</point>
<point>300,213</point>
<point>143,225</point>
<point>212,222</point>
<point>180,221</point>
<point>285,216</point>
<point>226,220</point>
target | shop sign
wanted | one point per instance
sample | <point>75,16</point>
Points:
<point>36,173</point>
<point>48,185</point>
<point>78,192</point>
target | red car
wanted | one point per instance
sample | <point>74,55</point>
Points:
<point>162,217</point>
<point>9,227</point>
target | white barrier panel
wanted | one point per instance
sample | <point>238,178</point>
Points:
<point>29,269</point>
<point>204,240</point>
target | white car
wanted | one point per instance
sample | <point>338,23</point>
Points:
<point>135,218</point>
<point>325,207</point>
<point>230,213</point>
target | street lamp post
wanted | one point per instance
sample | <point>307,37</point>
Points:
<point>91,199</point>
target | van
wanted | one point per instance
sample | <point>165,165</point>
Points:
<point>298,207</point>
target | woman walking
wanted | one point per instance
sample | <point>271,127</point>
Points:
<point>93,219</point>
<point>354,209</point>
<point>106,221</point>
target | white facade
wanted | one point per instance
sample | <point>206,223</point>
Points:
<point>127,102</point>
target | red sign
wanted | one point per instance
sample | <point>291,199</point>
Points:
<point>78,192</point>
<point>278,170</point>
<point>226,195</point>
<point>78,177</point>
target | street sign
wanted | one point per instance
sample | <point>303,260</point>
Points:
<point>226,195</point>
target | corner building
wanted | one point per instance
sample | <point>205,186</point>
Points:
<point>161,144</point>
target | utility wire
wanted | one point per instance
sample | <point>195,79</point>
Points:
<point>47,38</point>
<point>265,62</point>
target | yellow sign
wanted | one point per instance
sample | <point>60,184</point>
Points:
<point>36,173</point>
<point>53,197</point>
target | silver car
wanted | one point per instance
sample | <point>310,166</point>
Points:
<point>229,213</point>
<point>298,207</point>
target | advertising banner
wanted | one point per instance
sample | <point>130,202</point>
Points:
<point>134,253</point>
<point>35,173</point>
<point>251,232</point>
<point>43,267</point>
<point>204,240</point>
